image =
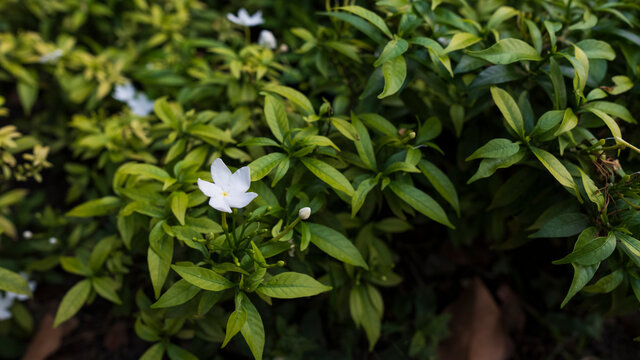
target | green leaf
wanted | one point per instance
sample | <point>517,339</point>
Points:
<point>613,109</point>
<point>592,190</point>
<point>501,15</point>
<point>589,249</point>
<point>100,253</point>
<point>622,84</point>
<point>581,276</point>
<point>597,49</point>
<point>496,148</point>
<point>179,203</point>
<point>155,352</point>
<point>295,96</point>
<point>203,278</point>
<point>289,285</point>
<point>364,145</point>
<point>12,196</point>
<point>329,175</point>
<point>178,294</point>
<point>97,207</point>
<point>175,352</point>
<point>563,225</point>
<point>336,245</point>
<point>364,311</point>
<point>421,202</point>
<point>253,330</point>
<point>630,246</point>
<point>461,40</point>
<point>606,284</point>
<point>394,72</point>
<point>75,266</point>
<point>210,133</point>
<point>379,123</point>
<point>159,262</point>
<point>10,281</point>
<point>370,16</point>
<point>276,116</point>
<point>144,170</point>
<point>555,167</point>
<point>106,288</point>
<point>507,51</point>
<point>393,49</point>
<point>72,301</point>
<point>488,166</point>
<point>263,165</point>
<point>559,88</point>
<point>441,183</point>
<point>360,195</point>
<point>569,121</point>
<point>359,23</point>
<point>509,109</point>
<point>609,121</point>
<point>235,323</point>
<point>28,93</point>
<point>168,113</point>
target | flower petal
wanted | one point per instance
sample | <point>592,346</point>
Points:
<point>220,174</point>
<point>240,180</point>
<point>234,19</point>
<point>240,200</point>
<point>244,16</point>
<point>209,189</point>
<point>218,202</point>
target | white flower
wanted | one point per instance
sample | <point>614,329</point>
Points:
<point>245,19</point>
<point>304,213</point>
<point>53,240</point>
<point>124,92</point>
<point>141,105</point>
<point>227,190</point>
<point>5,304</point>
<point>267,39</point>
<point>27,234</point>
<point>51,57</point>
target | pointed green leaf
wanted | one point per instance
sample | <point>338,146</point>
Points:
<point>336,245</point>
<point>203,278</point>
<point>421,202</point>
<point>394,72</point>
<point>328,174</point>
<point>507,51</point>
<point>496,148</point>
<point>72,301</point>
<point>289,285</point>
<point>370,16</point>
<point>178,294</point>
<point>509,109</point>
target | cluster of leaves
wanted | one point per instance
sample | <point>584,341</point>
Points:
<point>346,117</point>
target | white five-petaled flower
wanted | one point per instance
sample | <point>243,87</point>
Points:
<point>227,190</point>
<point>267,39</point>
<point>51,57</point>
<point>245,19</point>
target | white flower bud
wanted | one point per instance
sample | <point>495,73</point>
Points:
<point>53,240</point>
<point>27,234</point>
<point>304,213</point>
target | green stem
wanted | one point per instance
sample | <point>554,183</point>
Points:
<point>286,230</point>
<point>225,227</point>
<point>247,35</point>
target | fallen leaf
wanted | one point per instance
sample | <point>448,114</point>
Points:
<point>48,340</point>
<point>477,331</point>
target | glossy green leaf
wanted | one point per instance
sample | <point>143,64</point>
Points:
<point>10,281</point>
<point>581,276</point>
<point>253,330</point>
<point>72,301</point>
<point>329,175</point>
<point>394,72</point>
<point>370,16</point>
<point>179,204</point>
<point>97,207</point>
<point>293,95</point>
<point>178,294</point>
<point>336,245</point>
<point>289,285</point>
<point>276,116</point>
<point>496,148</point>
<point>393,49</point>
<point>420,201</point>
<point>461,40</point>
<point>203,278</point>
<point>509,109</point>
<point>507,51</point>
<point>263,165</point>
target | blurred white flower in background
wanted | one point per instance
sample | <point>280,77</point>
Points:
<point>9,297</point>
<point>51,57</point>
<point>124,92</point>
<point>245,19</point>
<point>227,190</point>
<point>267,39</point>
<point>139,103</point>
<point>27,234</point>
<point>53,240</point>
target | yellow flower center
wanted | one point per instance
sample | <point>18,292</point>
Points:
<point>225,194</point>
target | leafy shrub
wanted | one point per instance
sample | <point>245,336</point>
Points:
<point>483,122</point>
